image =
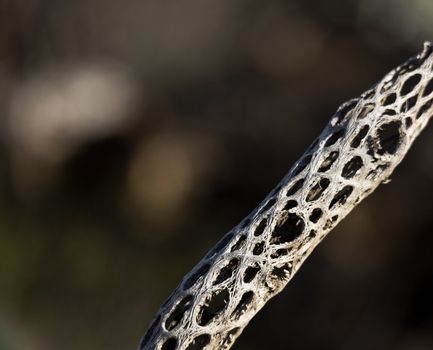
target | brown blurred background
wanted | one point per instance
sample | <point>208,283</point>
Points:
<point>134,134</point>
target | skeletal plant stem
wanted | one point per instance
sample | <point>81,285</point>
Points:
<point>358,150</point>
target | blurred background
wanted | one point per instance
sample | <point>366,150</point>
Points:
<point>134,134</point>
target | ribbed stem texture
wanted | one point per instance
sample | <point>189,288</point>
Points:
<point>358,150</point>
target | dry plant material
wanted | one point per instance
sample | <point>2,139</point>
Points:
<point>357,151</point>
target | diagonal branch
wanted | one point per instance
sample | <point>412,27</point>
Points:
<point>358,150</point>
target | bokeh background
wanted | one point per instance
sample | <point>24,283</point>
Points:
<point>134,134</point>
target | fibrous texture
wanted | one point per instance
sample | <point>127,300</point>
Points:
<point>360,147</point>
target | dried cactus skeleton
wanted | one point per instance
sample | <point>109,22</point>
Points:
<point>358,150</point>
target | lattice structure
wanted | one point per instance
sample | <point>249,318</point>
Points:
<point>359,148</point>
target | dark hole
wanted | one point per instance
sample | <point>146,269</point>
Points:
<point>389,137</point>
<point>312,234</point>
<point>260,227</point>
<point>302,165</point>
<point>408,122</point>
<point>389,112</point>
<point>230,337</point>
<point>250,273</point>
<point>169,344</point>
<point>258,248</point>
<point>408,104</point>
<point>317,190</point>
<point>334,137</point>
<point>149,332</point>
<point>199,342</point>
<point>334,218</point>
<point>243,305</point>
<point>327,163</point>
<point>213,306</point>
<point>315,215</point>
<point>201,271</point>
<point>351,167</point>
<point>279,253</point>
<point>177,314</point>
<point>365,110</point>
<point>424,108</point>
<point>344,110</point>
<point>239,244</point>
<point>268,205</point>
<point>295,188</point>
<point>281,273</point>
<point>371,146</point>
<point>227,271</point>
<point>428,89</point>
<point>288,230</point>
<point>341,196</point>
<point>410,84</point>
<point>290,204</point>
<point>390,99</point>
<point>359,136</point>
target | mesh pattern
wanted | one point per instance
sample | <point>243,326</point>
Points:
<point>360,147</point>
